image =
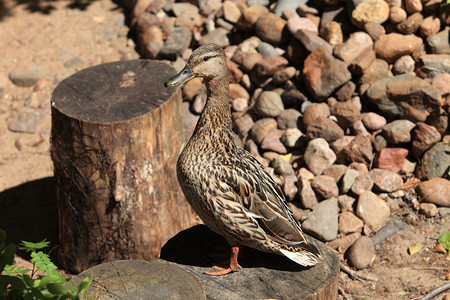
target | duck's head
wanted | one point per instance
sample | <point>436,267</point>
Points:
<point>208,62</point>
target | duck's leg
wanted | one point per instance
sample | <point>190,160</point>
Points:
<point>233,264</point>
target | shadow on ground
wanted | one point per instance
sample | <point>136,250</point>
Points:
<point>28,212</point>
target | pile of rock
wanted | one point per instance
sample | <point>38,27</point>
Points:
<point>346,103</point>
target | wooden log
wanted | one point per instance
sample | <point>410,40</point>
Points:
<point>193,251</point>
<point>116,135</point>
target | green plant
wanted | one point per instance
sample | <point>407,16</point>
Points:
<point>445,240</point>
<point>20,283</point>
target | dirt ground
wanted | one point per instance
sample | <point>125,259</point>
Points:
<point>67,39</point>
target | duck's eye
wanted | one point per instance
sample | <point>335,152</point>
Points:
<point>206,58</point>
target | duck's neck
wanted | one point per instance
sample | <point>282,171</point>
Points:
<point>216,114</point>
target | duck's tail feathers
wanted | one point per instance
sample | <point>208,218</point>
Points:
<point>304,254</point>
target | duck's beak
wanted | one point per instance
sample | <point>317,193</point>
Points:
<point>182,77</point>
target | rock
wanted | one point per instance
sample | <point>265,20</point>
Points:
<point>345,203</point>
<point>267,50</point>
<point>332,33</point>
<point>292,97</point>
<point>424,137</point>
<point>411,24</point>
<point>291,137</point>
<point>346,114</point>
<point>434,64</point>
<point>237,91</point>
<point>180,8</point>
<point>190,20</point>
<point>325,186</point>
<point>394,45</point>
<point>440,83</point>
<point>336,171</point>
<point>281,167</point>
<point>269,28</point>
<point>312,41</point>
<point>391,159</point>
<point>152,41</point>
<point>389,229</point>
<point>308,198</point>
<point>362,184</point>
<point>428,209</point>
<point>415,115</point>
<point>375,30</point>
<point>348,179</point>
<point>28,77</point>
<point>397,15</point>
<point>361,253</point>
<point>28,121</point>
<point>357,52</point>
<point>376,11</point>
<point>283,75</point>
<point>435,162</point>
<point>244,124</point>
<point>295,23</point>
<point>408,167</point>
<point>413,6</point>
<point>261,127</point>
<point>176,43</point>
<point>385,180</point>
<point>376,71</point>
<point>323,221</point>
<point>360,167</point>
<point>444,211</point>
<point>323,127</point>
<point>372,210</point>
<point>358,150</point>
<point>270,65</point>
<point>290,187</point>
<point>318,156</point>
<point>250,16</point>
<point>439,119</point>
<point>394,95</point>
<point>315,111</point>
<point>349,223</point>
<point>323,74</point>
<point>231,12</point>
<point>435,191</point>
<point>209,7</point>
<point>345,92</point>
<point>218,36</point>
<point>404,64</point>
<point>281,5</point>
<point>398,131</point>
<point>269,104</point>
<point>272,141</point>
<point>440,43</point>
<point>343,243</point>
<point>239,104</point>
<point>430,26</point>
<point>373,121</point>
<point>288,118</point>
<point>234,73</point>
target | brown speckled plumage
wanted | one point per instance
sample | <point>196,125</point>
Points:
<point>226,186</point>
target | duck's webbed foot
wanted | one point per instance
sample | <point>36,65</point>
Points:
<point>234,266</point>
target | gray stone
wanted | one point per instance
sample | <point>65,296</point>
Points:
<point>308,198</point>
<point>318,156</point>
<point>217,36</point>
<point>325,186</point>
<point>281,167</point>
<point>326,128</point>
<point>267,50</point>
<point>346,202</point>
<point>312,41</point>
<point>269,104</point>
<point>362,183</point>
<point>284,4</point>
<point>436,191</point>
<point>28,121</point>
<point>29,76</point>
<point>372,210</point>
<point>177,41</point>
<point>385,180</point>
<point>434,64</point>
<point>336,171</point>
<point>348,179</point>
<point>440,43</point>
<point>291,137</point>
<point>398,131</point>
<point>288,118</point>
<point>349,223</point>
<point>435,162</point>
<point>323,220</point>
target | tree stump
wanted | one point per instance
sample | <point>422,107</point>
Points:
<point>116,135</point>
<point>194,251</point>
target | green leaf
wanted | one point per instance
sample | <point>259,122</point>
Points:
<point>42,261</point>
<point>72,287</point>
<point>57,289</point>
<point>50,277</point>
<point>84,285</point>
<point>7,256</point>
<point>29,246</point>
<point>445,240</point>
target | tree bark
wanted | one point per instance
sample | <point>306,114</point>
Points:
<point>116,135</point>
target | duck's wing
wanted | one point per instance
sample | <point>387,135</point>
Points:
<point>251,186</point>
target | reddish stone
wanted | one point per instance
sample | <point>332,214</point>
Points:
<point>271,65</point>
<point>391,159</point>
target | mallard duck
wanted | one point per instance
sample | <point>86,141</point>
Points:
<point>225,185</point>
